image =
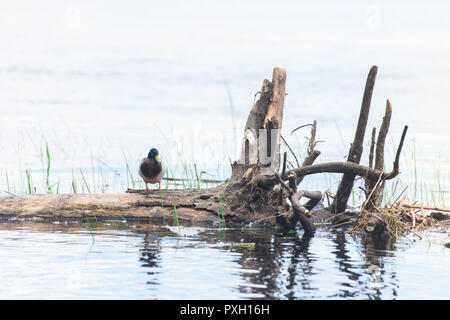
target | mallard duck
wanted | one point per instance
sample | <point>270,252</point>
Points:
<point>151,169</point>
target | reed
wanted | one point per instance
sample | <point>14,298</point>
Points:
<point>74,183</point>
<point>167,178</point>
<point>162,200</point>
<point>218,217</point>
<point>173,179</point>
<point>182,181</point>
<point>129,174</point>
<point>437,177</point>
<point>188,180</point>
<point>47,178</point>
<point>200,178</point>
<point>196,176</point>
<point>221,210</point>
<point>85,182</point>
<point>7,182</point>
<point>175,217</point>
<point>29,181</point>
<point>89,228</point>
<point>432,197</point>
<point>102,180</point>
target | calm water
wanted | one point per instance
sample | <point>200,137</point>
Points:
<point>101,82</point>
<point>155,261</point>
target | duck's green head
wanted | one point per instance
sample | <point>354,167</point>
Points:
<point>153,154</point>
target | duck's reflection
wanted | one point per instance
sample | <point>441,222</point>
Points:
<point>150,256</point>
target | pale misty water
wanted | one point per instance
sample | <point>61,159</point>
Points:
<point>101,81</point>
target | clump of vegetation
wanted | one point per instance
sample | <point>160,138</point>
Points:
<point>398,220</point>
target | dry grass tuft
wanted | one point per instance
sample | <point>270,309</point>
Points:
<point>396,221</point>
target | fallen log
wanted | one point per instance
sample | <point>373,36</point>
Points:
<point>194,205</point>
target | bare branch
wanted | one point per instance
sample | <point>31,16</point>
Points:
<point>287,145</point>
<point>305,125</point>
<point>396,170</point>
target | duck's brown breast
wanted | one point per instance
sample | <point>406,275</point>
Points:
<point>150,170</point>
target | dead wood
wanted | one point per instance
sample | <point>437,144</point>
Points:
<point>290,149</point>
<point>379,155</point>
<point>374,188</point>
<point>372,147</point>
<point>354,155</point>
<point>289,220</point>
<point>332,167</point>
<point>194,205</point>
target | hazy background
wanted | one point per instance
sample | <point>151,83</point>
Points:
<point>103,80</point>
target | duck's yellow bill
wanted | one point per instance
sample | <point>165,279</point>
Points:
<point>157,159</point>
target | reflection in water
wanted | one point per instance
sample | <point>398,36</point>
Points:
<point>302,259</point>
<point>149,256</point>
<point>270,253</point>
<point>374,252</point>
<point>197,262</point>
<point>263,257</point>
<point>345,265</point>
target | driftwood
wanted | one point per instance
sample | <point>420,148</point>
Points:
<point>255,193</point>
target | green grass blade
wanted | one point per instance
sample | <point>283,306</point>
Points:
<point>162,201</point>
<point>175,217</point>
<point>47,180</point>
<point>29,181</point>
